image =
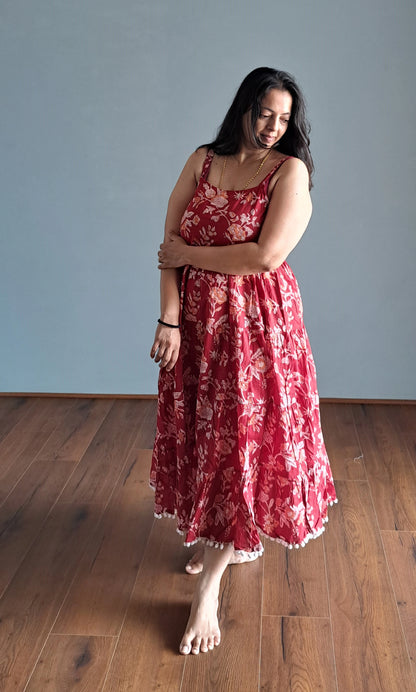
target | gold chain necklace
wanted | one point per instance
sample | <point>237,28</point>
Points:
<point>262,162</point>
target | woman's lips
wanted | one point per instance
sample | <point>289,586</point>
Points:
<point>268,139</point>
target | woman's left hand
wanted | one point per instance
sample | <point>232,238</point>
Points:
<point>171,253</point>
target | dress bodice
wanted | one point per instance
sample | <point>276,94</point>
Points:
<point>224,217</point>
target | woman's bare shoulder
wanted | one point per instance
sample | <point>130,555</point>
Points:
<point>291,169</point>
<point>190,175</point>
<point>293,165</point>
<point>201,153</point>
<point>194,164</point>
<point>196,161</point>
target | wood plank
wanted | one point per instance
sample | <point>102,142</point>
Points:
<point>23,513</point>
<point>99,596</point>
<point>147,655</point>
<point>26,440</point>
<point>32,600</point>
<point>389,467</point>
<point>404,419</point>
<point>365,622</point>
<point>371,576</point>
<point>295,580</point>
<point>400,548</point>
<point>72,437</point>
<point>8,404</point>
<point>97,472</point>
<point>147,429</point>
<point>341,442</point>
<point>235,663</point>
<point>12,409</point>
<point>69,663</point>
<point>297,654</point>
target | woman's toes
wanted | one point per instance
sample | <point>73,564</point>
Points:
<point>185,649</point>
<point>210,643</point>
<point>204,646</point>
<point>195,564</point>
<point>196,645</point>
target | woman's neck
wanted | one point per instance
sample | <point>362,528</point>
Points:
<point>249,154</point>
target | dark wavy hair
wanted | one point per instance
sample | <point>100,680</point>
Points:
<point>295,141</point>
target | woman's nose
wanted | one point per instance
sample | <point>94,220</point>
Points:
<point>273,124</point>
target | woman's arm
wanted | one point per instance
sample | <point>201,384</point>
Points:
<point>178,201</point>
<point>286,220</point>
<point>165,348</point>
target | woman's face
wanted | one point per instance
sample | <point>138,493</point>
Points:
<point>273,121</point>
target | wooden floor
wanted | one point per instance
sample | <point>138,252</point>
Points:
<point>93,592</point>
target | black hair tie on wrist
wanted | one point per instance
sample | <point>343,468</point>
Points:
<point>166,324</point>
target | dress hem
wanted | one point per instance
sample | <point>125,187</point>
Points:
<point>258,551</point>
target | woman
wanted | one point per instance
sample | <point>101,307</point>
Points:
<point>239,448</point>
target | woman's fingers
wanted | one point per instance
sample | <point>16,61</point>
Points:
<point>172,361</point>
<point>161,259</point>
<point>171,252</point>
<point>168,358</point>
<point>165,349</point>
<point>158,349</point>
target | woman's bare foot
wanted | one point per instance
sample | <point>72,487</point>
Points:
<point>196,563</point>
<point>202,632</point>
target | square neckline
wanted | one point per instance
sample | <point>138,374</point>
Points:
<point>207,166</point>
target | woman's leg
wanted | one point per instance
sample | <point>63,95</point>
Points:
<point>202,632</point>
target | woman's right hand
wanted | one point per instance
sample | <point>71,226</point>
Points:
<point>165,349</point>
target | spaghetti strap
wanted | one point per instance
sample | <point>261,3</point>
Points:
<point>276,167</point>
<point>207,165</point>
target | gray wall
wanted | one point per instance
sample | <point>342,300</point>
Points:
<point>102,101</point>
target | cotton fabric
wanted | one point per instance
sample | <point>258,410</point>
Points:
<point>239,450</point>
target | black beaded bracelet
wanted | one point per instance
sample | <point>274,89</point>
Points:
<point>166,324</point>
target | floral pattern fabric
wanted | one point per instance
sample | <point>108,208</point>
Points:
<point>239,450</point>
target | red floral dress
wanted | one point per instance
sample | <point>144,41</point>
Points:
<point>239,449</point>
